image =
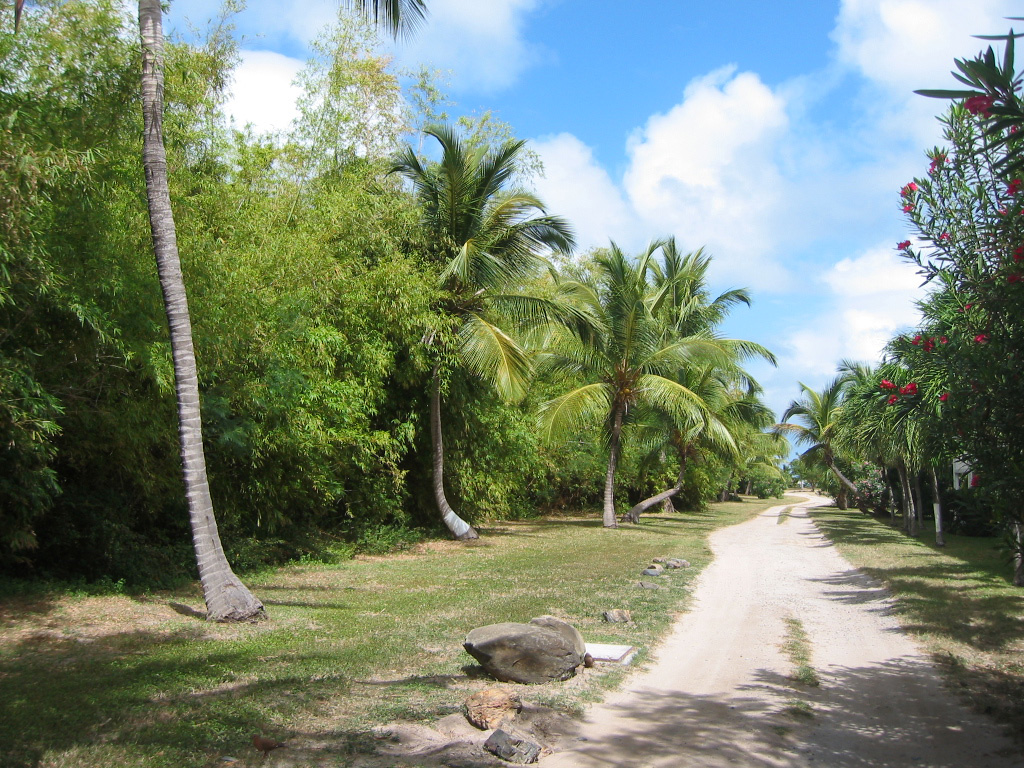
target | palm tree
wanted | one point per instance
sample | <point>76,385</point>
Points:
<point>819,416</point>
<point>621,352</point>
<point>399,17</point>
<point>486,240</point>
<point>227,599</point>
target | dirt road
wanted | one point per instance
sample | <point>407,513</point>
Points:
<point>720,692</point>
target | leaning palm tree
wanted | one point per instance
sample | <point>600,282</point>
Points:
<point>620,351</point>
<point>485,241</point>
<point>818,413</point>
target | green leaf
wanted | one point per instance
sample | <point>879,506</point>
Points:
<point>947,94</point>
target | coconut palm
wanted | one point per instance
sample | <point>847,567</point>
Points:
<point>620,350</point>
<point>818,413</point>
<point>486,240</point>
<point>397,16</point>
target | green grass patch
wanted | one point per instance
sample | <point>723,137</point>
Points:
<point>958,600</point>
<point>114,679</point>
<point>798,648</point>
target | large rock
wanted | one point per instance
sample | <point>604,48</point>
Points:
<point>527,653</point>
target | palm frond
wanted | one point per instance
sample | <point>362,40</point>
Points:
<point>575,411</point>
<point>494,356</point>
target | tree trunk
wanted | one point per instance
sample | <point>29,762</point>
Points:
<point>1018,554</point>
<point>841,497</point>
<point>227,599</point>
<point>918,504</point>
<point>940,535</point>
<point>665,496</point>
<point>460,528</point>
<point>908,511</point>
<point>613,462</point>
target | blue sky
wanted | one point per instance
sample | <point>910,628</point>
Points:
<point>777,135</point>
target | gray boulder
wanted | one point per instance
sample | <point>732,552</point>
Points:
<point>513,747</point>
<point>527,653</point>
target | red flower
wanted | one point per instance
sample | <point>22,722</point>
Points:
<point>979,105</point>
<point>1014,278</point>
<point>936,162</point>
<point>929,345</point>
<point>1013,187</point>
<point>943,340</point>
<point>909,389</point>
<point>893,399</point>
<point>981,338</point>
<point>908,208</point>
<point>944,236</point>
<point>904,245</point>
<point>944,397</point>
<point>917,339</point>
<point>886,384</point>
<point>974,481</point>
<point>911,187</point>
<point>1019,253</point>
<point>967,306</point>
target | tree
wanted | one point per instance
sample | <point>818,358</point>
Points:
<point>818,413</point>
<point>486,239</point>
<point>227,599</point>
<point>620,350</point>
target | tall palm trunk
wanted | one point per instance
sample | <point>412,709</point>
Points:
<point>460,528</point>
<point>634,514</point>
<point>908,504</point>
<point>940,535</point>
<point>1017,534</point>
<point>918,503</point>
<point>227,599</point>
<point>613,463</point>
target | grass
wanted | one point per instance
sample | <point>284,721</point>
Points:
<point>90,681</point>
<point>957,600</point>
<point>798,649</point>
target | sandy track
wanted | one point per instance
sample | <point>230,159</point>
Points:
<point>719,691</point>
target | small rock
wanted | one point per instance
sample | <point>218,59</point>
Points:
<point>512,747</point>
<point>490,708</point>
<point>588,661</point>
<point>618,616</point>
<point>649,585</point>
<point>658,560</point>
<point>677,563</point>
<point>652,570</point>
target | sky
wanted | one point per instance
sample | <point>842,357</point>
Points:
<point>775,135</point>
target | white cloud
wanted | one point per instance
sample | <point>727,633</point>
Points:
<point>577,187</point>
<point>480,42</point>
<point>707,171</point>
<point>868,300</point>
<point>263,92</point>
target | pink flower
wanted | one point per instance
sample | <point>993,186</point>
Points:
<point>886,384</point>
<point>967,306</point>
<point>1013,187</point>
<point>975,481</point>
<point>944,397</point>
<point>936,162</point>
<point>893,399</point>
<point>909,389</point>
<point>979,105</point>
<point>1018,254</point>
<point>929,345</point>
<point>908,208</point>
<point>943,340</point>
<point>911,187</point>
<point>944,236</point>
<point>904,245</point>
<point>981,338</point>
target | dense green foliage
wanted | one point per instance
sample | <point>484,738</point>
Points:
<point>314,289</point>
